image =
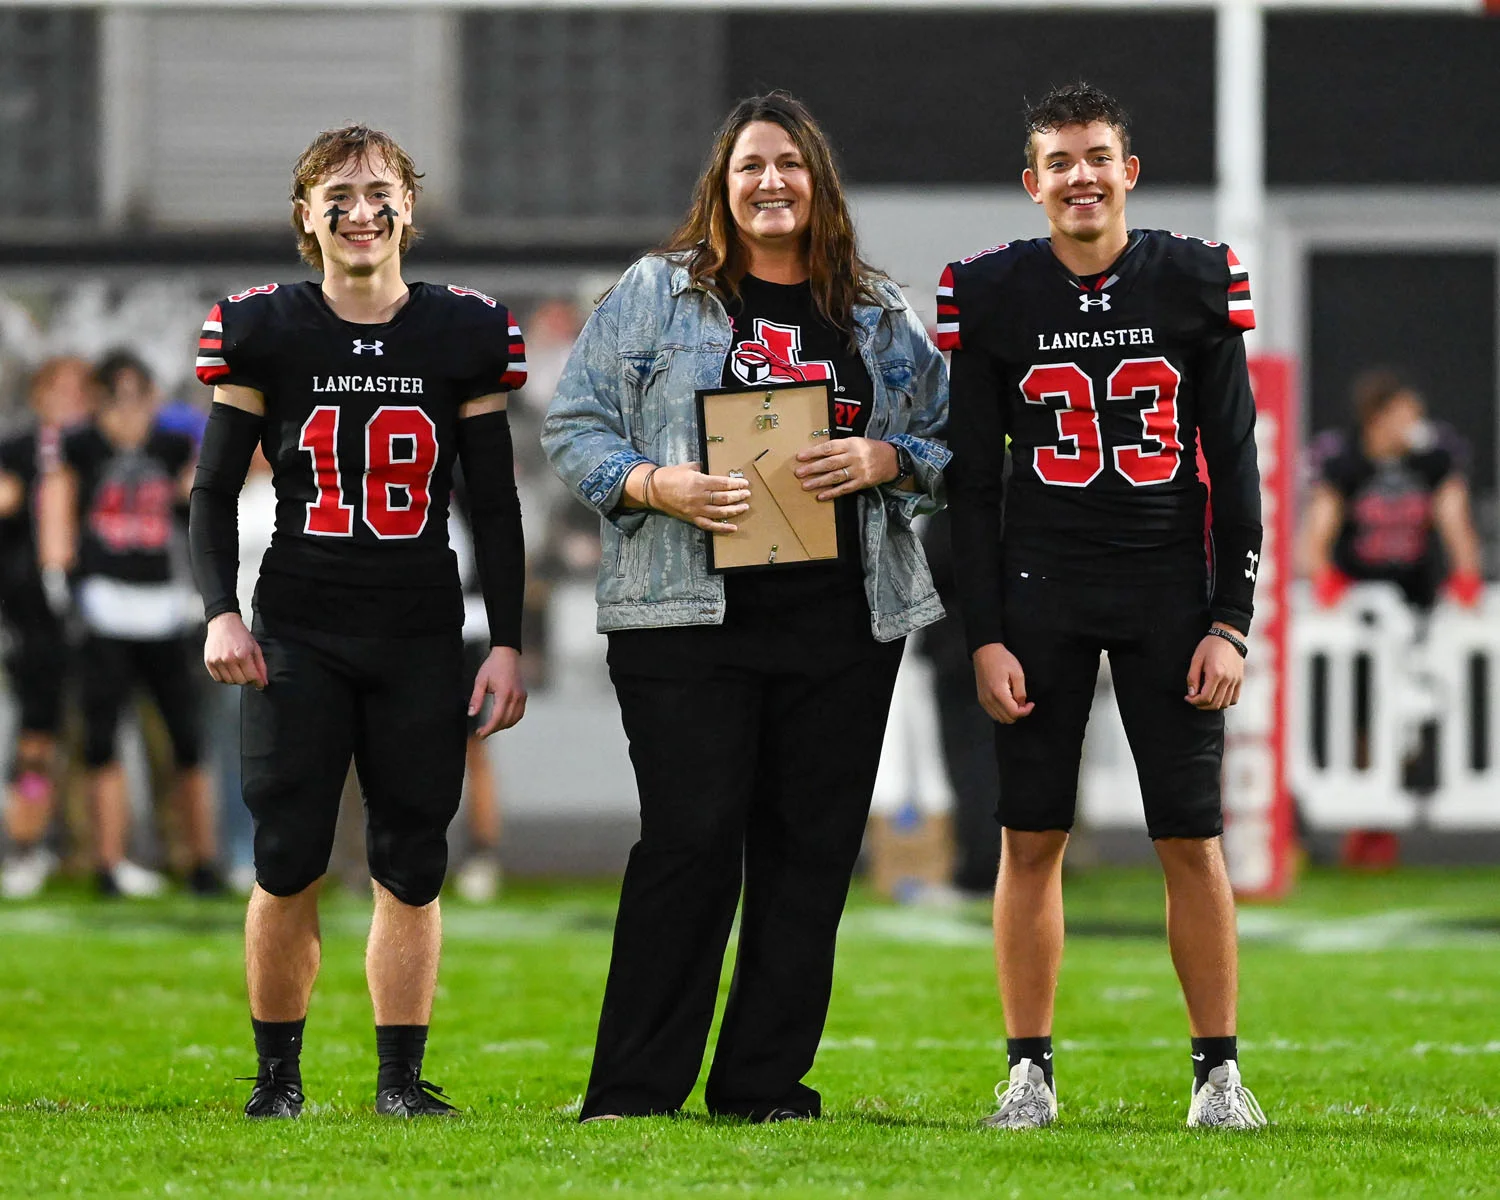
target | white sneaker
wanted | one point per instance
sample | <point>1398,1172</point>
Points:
<point>137,882</point>
<point>478,879</point>
<point>1225,1102</point>
<point>1026,1103</point>
<point>24,874</point>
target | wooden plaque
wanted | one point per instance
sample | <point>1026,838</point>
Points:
<point>756,433</point>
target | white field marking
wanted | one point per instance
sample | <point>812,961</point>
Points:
<point>853,1043</point>
<point>1400,929</point>
<point>518,1046</point>
<point>914,925</point>
<point>1458,1049</point>
<point>197,1051</point>
<point>1266,1046</point>
<point>1455,996</point>
<point>1113,995</point>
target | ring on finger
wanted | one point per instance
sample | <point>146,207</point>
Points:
<point>847,476</point>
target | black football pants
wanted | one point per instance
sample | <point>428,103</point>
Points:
<point>1150,631</point>
<point>398,708</point>
<point>753,767</point>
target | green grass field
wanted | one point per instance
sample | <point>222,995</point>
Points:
<point>1368,1018</point>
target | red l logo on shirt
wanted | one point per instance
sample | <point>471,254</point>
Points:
<point>772,356</point>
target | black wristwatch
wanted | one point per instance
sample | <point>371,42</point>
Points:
<point>1232,638</point>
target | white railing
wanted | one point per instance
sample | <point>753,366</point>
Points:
<point>1346,767</point>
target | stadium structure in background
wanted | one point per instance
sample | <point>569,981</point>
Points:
<point>136,186</point>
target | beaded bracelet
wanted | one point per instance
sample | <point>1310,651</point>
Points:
<point>1232,639</point>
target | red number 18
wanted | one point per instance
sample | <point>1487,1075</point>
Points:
<point>401,452</point>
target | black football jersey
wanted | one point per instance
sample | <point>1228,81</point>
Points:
<point>1104,388</point>
<point>25,456</point>
<point>360,425</point>
<point>1387,531</point>
<point>127,502</point>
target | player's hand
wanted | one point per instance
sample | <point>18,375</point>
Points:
<point>1215,674</point>
<point>1464,588</point>
<point>58,592</point>
<point>1329,586</point>
<point>710,502</point>
<point>499,676</point>
<point>1001,684</point>
<point>231,653</point>
<point>843,466</point>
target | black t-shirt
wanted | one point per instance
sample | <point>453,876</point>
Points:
<point>23,456</point>
<point>127,501</point>
<point>360,434</point>
<point>779,337</point>
<point>1105,387</point>
<point>1387,530</point>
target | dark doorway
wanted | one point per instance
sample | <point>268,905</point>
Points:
<point>1431,317</point>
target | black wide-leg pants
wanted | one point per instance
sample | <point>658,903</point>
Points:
<point>755,765</point>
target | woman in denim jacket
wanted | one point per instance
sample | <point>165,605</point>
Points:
<point>755,703</point>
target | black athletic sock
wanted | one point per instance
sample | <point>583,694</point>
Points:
<point>1038,1049</point>
<point>280,1040</point>
<point>1209,1053</point>
<point>400,1048</point>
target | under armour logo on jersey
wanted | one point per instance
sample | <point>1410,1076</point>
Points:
<point>1254,565</point>
<point>1093,300</point>
<point>360,347</point>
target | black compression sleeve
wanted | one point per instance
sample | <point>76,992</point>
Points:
<point>229,443</point>
<point>976,435</point>
<point>488,458</point>
<point>1226,427</point>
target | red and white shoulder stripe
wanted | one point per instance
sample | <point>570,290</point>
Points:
<point>1241,310</point>
<point>947,313</point>
<point>515,363</point>
<point>211,366</point>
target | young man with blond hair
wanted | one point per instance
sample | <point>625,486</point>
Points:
<point>362,390</point>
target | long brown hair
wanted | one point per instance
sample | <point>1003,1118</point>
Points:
<point>710,240</point>
<point>329,151</point>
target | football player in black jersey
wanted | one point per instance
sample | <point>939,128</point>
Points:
<point>362,390</point>
<point>106,525</point>
<point>36,660</point>
<point>1105,356</point>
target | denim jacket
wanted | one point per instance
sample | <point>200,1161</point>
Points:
<point>627,396</point>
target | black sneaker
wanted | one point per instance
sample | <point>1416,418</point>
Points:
<point>273,1096</point>
<point>415,1098</point>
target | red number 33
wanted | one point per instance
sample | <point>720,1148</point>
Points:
<point>1078,457</point>
<point>401,451</point>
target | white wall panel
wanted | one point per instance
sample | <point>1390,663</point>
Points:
<point>227,100</point>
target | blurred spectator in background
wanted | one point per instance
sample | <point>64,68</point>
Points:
<point>478,877</point>
<point>59,395</point>
<point>968,733</point>
<point>256,524</point>
<point>1383,489</point>
<point>106,517</point>
<point>568,551</point>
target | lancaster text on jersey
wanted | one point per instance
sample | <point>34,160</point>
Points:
<point>1083,339</point>
<point>407,385</point>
